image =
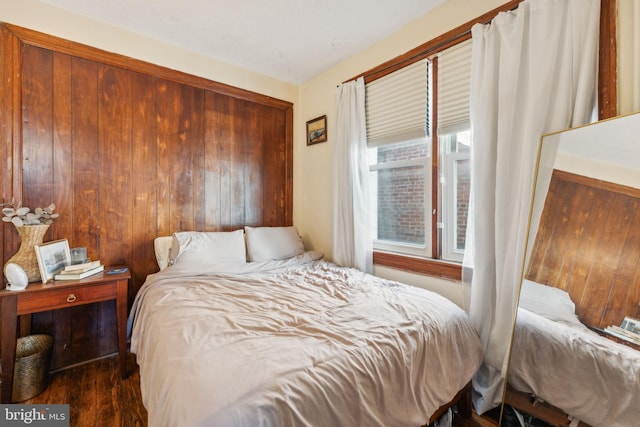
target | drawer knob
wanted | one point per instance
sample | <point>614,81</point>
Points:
<point>71,298</point>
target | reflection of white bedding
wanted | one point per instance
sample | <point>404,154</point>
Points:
<point>296,342</point>
<point>573,368</point>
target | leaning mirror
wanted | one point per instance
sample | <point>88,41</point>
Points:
<point>574,358</point>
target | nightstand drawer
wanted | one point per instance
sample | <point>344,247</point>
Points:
<point>68,296</point>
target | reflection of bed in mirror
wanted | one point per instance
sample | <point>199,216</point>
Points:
<point>582,276</point>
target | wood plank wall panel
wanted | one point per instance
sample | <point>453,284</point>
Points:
<point>179,129</point>
<point>63,141</point>
<point>129,151</point>
<point>8,67</point>
<point>216,178</point>
<point>145,180</point>
<point>37,131</point>
<point>114,165</point>
<point>274,153</point>
<point>237,163</point>
<point>242,169</point>
<point>253,173</point>
<point>84,180</point>
<point>588,244</point>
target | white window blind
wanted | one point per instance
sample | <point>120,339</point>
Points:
<point>454,81</point>
<point>397,106</point>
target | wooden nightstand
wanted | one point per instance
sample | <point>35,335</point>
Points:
<point>613,338</point>
<point>60,294</point>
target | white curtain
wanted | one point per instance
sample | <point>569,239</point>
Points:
<point>534,70</point>
<point>352,244</point>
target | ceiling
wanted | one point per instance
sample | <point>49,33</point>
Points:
<point>289,40</point>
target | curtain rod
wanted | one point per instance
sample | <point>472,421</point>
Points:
<point>435,45</point>
<point>396,63</point>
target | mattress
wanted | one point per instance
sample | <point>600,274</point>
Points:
<point>298,342</point>
<point>588,376</point>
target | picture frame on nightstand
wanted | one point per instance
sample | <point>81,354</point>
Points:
<point>52,258</point>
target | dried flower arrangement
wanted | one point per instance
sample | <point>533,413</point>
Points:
<point>22,215</point>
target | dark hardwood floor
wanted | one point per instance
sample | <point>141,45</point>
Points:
<point>97,396</point>
<point>475,421</point>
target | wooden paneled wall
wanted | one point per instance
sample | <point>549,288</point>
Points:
<point>129,151</point>
<point>588,244</point>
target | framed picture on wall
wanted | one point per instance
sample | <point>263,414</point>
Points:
<point>317,130</point>
<point>52,257</point>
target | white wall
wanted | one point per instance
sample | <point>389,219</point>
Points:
<point>628,56</point>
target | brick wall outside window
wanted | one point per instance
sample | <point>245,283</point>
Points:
<point>401,194</point>
<point>463,191</point>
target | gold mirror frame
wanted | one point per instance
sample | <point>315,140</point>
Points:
<point>599,143</point>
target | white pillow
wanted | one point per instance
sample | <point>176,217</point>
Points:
<point>162,248</point>
<point>547,301</point>
<point>206,247</point>
<point>273,243</point>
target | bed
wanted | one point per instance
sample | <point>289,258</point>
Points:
<point>245,328</point>
<point>556,359</point>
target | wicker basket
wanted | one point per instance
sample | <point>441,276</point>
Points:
<point>31,374</point>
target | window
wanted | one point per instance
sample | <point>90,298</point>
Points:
<point>416,211</point>
<point>456,188</point>
<point>400,183</point>
<point>400,258</point>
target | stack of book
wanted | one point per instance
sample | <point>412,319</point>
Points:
<point>80,271</point>
<point>629,330</point>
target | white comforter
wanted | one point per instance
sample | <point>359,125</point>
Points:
<point>573,368</point>
<point>299,342</point>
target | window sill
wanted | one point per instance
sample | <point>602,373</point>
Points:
<point>428,266</point>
